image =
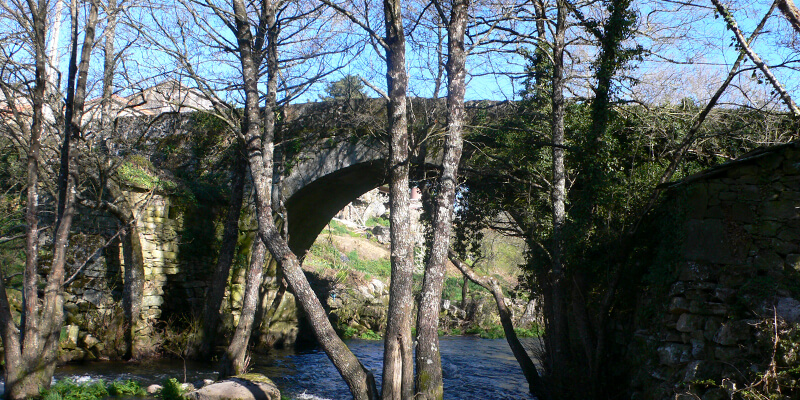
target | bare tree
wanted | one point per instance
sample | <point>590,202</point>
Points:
<point>31,347</point>
<point>428,359</point>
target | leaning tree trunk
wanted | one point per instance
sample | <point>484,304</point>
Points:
<point>260,155</point>
<point>535,383</point>
<point>428,359</point>
<point>234,361</point>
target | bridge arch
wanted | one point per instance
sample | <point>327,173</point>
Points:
<point>324,181</point>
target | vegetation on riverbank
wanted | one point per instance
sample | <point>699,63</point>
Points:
<point>68,389</point>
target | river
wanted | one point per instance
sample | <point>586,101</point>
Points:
<point>473,368</point>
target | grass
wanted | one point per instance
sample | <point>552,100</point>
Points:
<point>135,175</point>
<point>68,389</point>
<point>376,221</point>
<point>330,257</point>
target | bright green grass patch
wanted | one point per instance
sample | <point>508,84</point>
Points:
<point>375,221</point>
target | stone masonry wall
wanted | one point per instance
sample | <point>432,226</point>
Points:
<point>736,273</point>
<point>175,273</point>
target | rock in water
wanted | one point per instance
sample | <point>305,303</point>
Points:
<point>242,387</point>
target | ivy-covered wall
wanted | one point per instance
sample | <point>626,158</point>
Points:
<point>717,312</point>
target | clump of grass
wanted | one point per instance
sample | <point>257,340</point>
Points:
<point>380,267</point>
<point>375,221</point>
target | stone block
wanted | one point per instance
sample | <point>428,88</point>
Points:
<point>152,301</point>
<point>679,288</point>
<point>705,241</point>
<point>793,261</point>
<point>770,162</point>
<point>697,195</point>
<point>768,261</point>
<point>723,353</point>
<point>689,322</point>
<point>768,228</point>
<point>749,194</point>
<point>741,213</point>
<point>673,354</point>
<point>731,333</point>
<point>783,247</point>
<point>791,167</point>
<point>778,210</point>
<point>679,305</point>
<point>788,309</point>
<point>742,171</point>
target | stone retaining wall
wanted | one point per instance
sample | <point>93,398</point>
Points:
<point>735,271</point>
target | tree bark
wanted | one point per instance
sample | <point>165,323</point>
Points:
<point>133,289</point>
<point>234,361</point>
<point>535,383</point>
<point>227,253</point>
<point>31,350</point>
<point>428,359</point>
<point>260,155</point>
<point>784,95</point>
<point>791,13</point>
<point>398,376</point>
<point>557,334</point>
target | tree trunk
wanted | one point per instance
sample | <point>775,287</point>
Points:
<point>428,358</point>
<point>398,376</point>
<point>535,383</point>
<point>260,153</point>
<point>133,288</point>
<point>227,253</point>
<point>32,349</point>
<point>557,337</point>
<point>234,361</point>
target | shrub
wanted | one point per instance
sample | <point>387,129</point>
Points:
<point>126,388</point>
<point>172,390</point>
<point>68,389</point>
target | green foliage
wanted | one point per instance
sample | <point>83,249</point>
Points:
<point>347,88</point>
<point>68,389</point>
<point>126,388</point>
<point>533,331</point>
<point>134,175</point>
<point>370,335</point>
<point>172,390</point>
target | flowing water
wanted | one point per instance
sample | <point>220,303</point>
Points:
<point>473,368</point>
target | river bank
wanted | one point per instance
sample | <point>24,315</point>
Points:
<point>474,368</point>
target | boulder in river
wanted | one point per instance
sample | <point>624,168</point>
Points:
<point>242,387</point>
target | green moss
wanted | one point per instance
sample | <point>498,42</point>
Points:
<point>133,174</point>
<point>252,377</point>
